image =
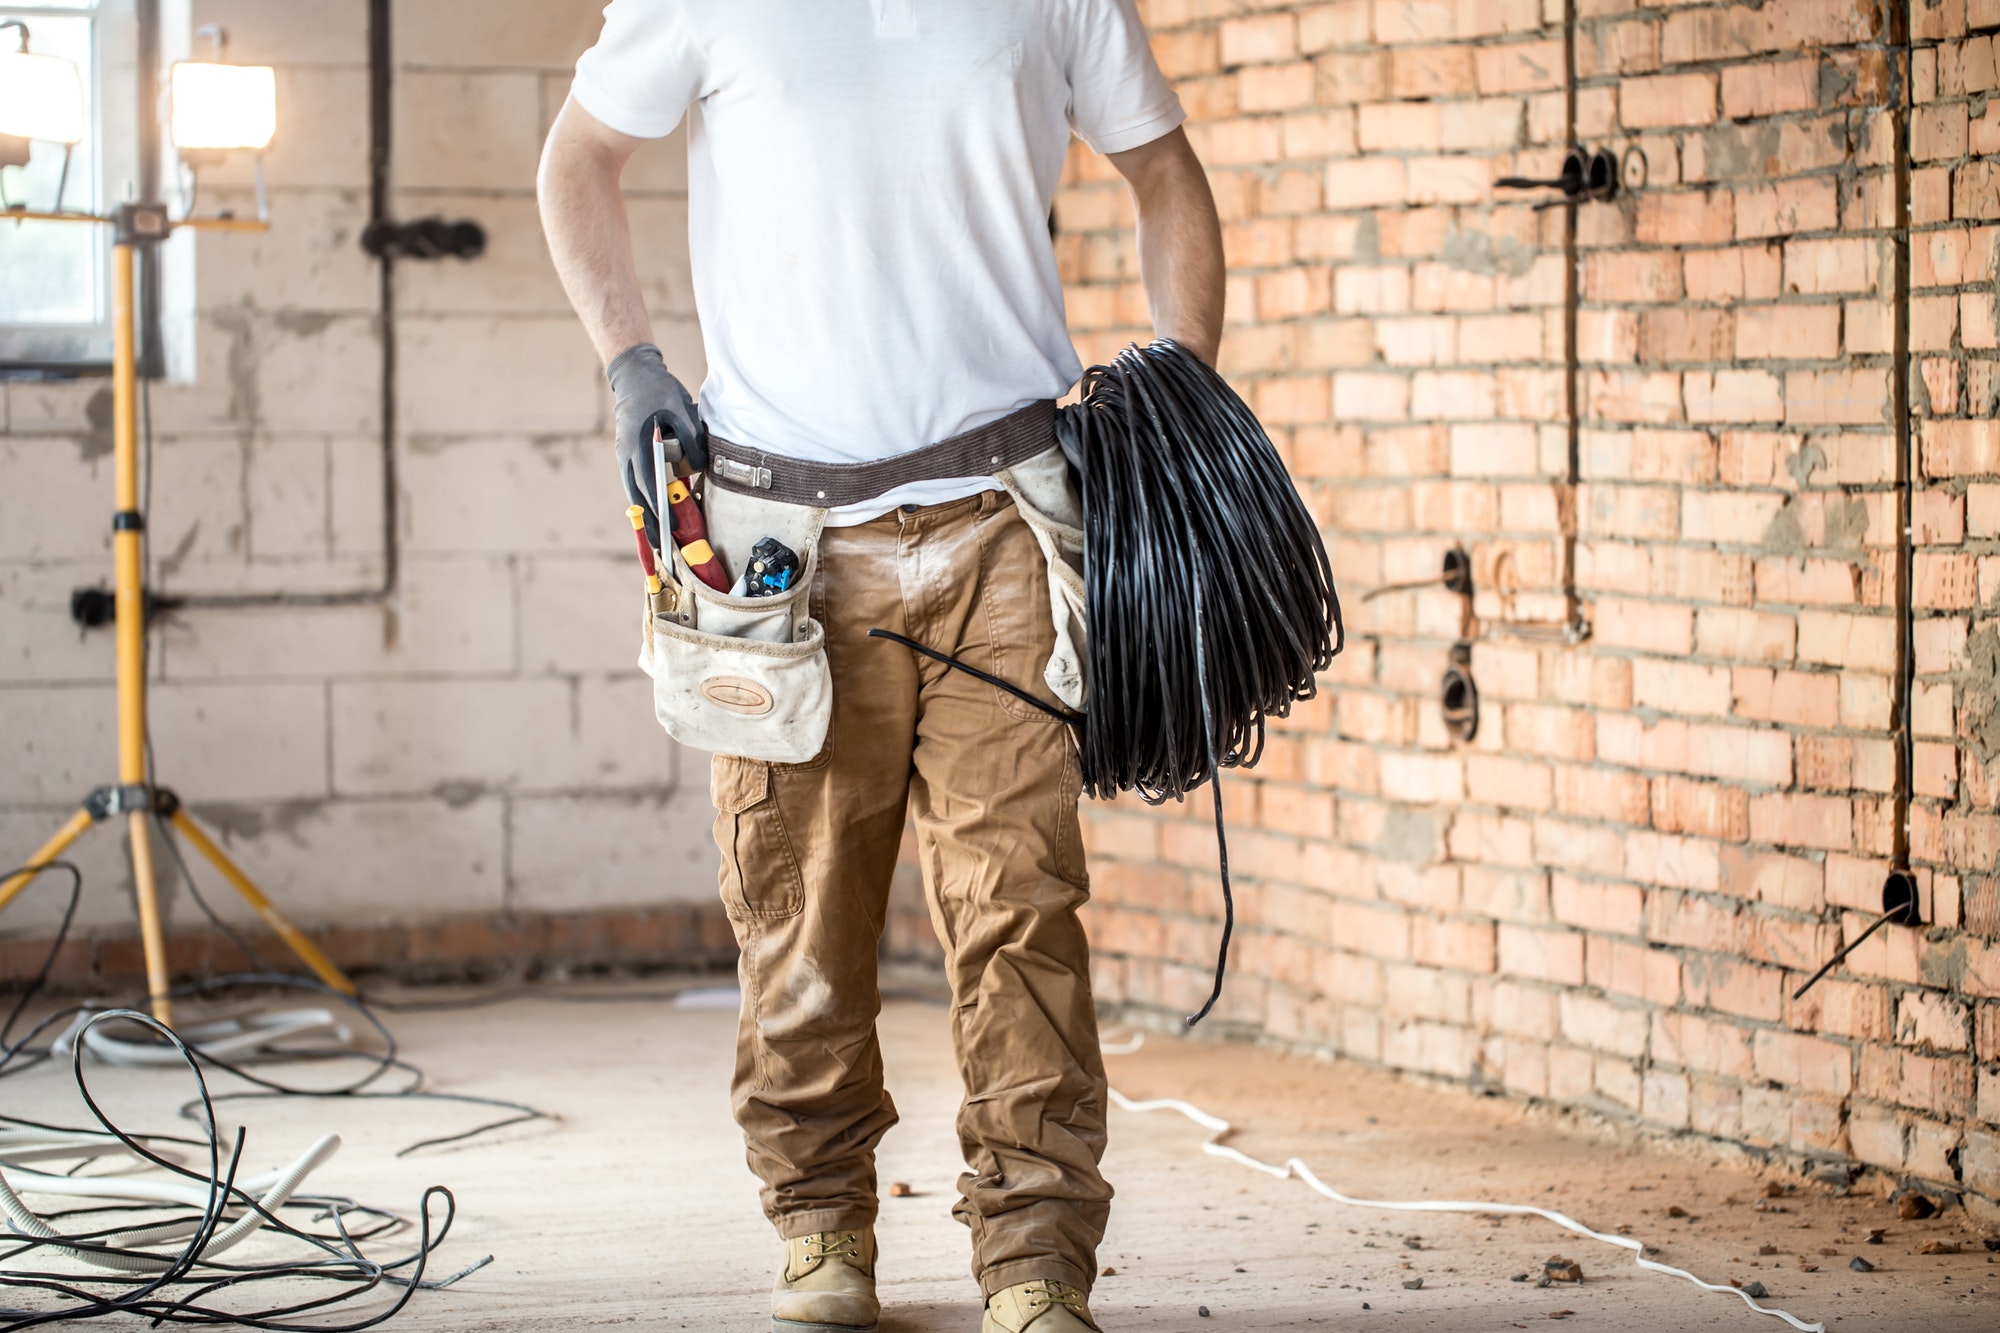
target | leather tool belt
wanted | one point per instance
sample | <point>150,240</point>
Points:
<point>979,452</point>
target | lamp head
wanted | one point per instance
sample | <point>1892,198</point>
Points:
<point>41,97</point>
<point>218,107</point>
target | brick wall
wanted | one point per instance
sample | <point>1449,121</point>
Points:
<point>479,745</point>
<point>1677,422</point>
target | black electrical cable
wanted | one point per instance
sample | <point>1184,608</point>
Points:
<point>9,1053</point>
<point>22,1055</point>
<point>181,1289</point>
<point>1207,589</point>
<point>1074,719</point>
<point>167,835</point>
<point>1207,584</point>
<point>182,1286</point>
<point>1208,592</point>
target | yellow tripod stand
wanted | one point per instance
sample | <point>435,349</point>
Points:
<point>135,797</point>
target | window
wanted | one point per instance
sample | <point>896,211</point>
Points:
<point>55,303</point>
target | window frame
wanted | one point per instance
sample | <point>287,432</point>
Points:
<point>120,146</point>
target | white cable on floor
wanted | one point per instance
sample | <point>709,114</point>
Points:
<point>253,1034</point>
<point>1220,1129</point>
<point>29,1223</point>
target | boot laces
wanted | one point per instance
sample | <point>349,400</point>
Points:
<point>833,1245</point>
<point>1052,1293</point>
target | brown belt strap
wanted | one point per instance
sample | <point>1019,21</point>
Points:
<point>980,452</point>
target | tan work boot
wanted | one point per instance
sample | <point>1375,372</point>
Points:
<point>1044,1305</point>
<point>827,1284</point>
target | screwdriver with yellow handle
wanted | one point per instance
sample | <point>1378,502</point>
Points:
<point>637,513</point>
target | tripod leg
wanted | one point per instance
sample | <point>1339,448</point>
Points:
<point>79,824</point>
<point>151,931</point>
<point>308,952</point>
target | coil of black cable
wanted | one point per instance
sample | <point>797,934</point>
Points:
<point>1209,595</point>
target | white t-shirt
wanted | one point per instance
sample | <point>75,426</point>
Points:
<point>869,185</point>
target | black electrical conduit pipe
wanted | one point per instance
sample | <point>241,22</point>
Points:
<point>381,145</point>
<point>1901,902</point>
<point>1903,689</point>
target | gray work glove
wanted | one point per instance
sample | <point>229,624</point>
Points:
<point>649,398</point>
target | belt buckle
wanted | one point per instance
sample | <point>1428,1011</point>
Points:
<point>741,474</point>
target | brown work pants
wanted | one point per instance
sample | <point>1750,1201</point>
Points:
<point>807,855</point>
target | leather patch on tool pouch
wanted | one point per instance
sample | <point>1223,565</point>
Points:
<point>737,695</point>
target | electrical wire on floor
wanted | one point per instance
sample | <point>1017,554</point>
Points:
<point>231,1042</point>
<point>160,1256</point>
<point>1220,1130</point>
<point>214,1211</point>
<point>11,1052</point>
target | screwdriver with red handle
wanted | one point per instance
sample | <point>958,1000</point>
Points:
<point>690,534</point>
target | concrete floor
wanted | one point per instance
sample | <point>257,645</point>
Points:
<point>635,1210</point>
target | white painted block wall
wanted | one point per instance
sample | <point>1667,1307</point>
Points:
<point>482,741</point>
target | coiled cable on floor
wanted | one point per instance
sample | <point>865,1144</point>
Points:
<point>1208,591</point>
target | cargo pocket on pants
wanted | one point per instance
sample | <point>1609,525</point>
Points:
<point>760,871</point>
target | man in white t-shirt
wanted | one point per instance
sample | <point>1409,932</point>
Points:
<point>869,219</point>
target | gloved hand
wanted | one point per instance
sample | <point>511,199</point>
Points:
<point>649,397</point>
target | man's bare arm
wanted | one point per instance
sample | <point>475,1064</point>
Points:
<point>590,237</point>
<point>1180,241</point>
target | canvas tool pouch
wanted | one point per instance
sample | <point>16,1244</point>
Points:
<point>748,676</point>
<point>742,676</point>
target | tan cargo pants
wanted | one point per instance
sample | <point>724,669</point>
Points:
<point>807,855</point>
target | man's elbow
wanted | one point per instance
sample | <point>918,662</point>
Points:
<point>579,155</point>
<point>1164,172</point>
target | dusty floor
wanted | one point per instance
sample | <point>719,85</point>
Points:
<point>635,1210</point>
